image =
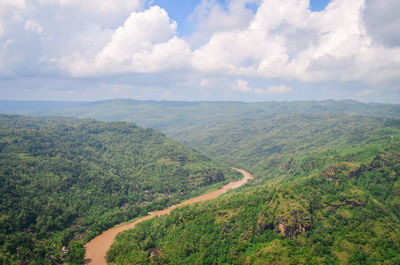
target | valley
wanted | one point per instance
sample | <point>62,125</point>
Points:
<point>320,168</point>
<point>64,181</point>
<point>201,132</point>
<point>97,248</point>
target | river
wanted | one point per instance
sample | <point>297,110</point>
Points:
<point>97,248</point>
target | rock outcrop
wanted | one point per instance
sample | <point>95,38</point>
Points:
<point>296,223</point>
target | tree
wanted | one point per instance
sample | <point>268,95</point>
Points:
<point>76,254</point>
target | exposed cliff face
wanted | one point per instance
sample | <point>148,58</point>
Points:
<point>354,170</point>
<point>296,223</point>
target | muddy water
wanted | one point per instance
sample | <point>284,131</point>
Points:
<point>97,248</point>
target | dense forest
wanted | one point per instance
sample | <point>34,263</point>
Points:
<point>343,210</point>
<point>272,146</point>
<point>236,132</point>
<point>326,187</point>
<point>65,180</point>
<point>255,136</point>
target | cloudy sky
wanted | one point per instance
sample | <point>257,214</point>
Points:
<point>246,50</point>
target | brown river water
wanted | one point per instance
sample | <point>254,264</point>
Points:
<point>97,248</point>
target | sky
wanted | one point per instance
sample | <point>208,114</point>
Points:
<point>195,50</point>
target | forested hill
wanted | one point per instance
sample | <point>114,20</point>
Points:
<point>339,206</point>
<point>260,137</point>
<point>66,179</point>
<point>282,144</point>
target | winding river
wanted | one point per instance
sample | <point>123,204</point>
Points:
<point>97,248</point>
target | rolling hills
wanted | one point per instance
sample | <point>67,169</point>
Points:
<point>254,136</point>
<point>66,179</point>
<point>346,212</point>
<point>326,187</point>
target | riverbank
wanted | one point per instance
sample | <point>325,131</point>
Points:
<point>97,248</point>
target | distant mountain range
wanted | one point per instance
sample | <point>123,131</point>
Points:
<point>129,109</point>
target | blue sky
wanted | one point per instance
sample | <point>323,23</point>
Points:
<point>318,5</point>
<point>180,10</point>
<point>246,50</point>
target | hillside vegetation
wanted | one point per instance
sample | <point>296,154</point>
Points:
<point>264,137</point>
<point>326,187</point>
<point>66,179</point>
<point>276,146</point>
<point>346,212</point>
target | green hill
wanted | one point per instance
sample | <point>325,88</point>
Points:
<point>326,182</point>
<point>346,212</point>
<point>275,146</point>
<point>66,179</point>
<point>255,136</point>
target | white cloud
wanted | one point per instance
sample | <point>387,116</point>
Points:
<point>283,40</point>
<point>3,50</point>
<point>11,12</point>
<point>281,89</point>
<point>383,21</point>
<point>62,27</point>
<point>241,86</point>
<point>20,4</point>
<point>9,8</point>
<point>211,17</point>
<point>33,26</point>
<point>103,6</point>
<point>349,41</point>
<point>286,40</point>
<point>145,43</point>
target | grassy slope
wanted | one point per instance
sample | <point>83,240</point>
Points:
<point>64,179</point>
